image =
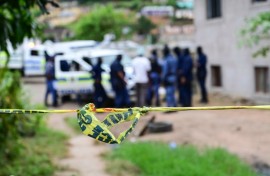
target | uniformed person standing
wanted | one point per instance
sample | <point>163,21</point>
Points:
<point>180,59</point>
<point>100,95</point>
<point>50,79</point>
<point>155,79</point>
<point>201,74</point>
<point>169,72</point>
<point>186,79</point>
<point>118,82</point>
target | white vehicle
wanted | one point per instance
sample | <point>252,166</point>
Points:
<point>72,71</point>
<point>71,46</point>
<point>29,58</point>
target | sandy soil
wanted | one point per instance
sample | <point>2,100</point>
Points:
<point>243,132</point>
<point>84,154</point>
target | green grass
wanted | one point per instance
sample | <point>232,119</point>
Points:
<point>36,154</point>
<point>147,159</point>
<point>73,123</point>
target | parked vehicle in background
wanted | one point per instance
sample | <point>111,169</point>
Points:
<point>29,58</point>
<point>73,71</point>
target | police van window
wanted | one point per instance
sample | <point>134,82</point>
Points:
<point>34,52</point>
<point>75,66</point>
<point>64,66</point>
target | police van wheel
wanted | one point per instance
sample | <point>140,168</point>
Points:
<point>159,127</point>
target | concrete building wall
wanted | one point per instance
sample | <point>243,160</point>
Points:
<point>220,40</point>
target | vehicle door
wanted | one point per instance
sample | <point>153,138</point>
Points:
<point>107,61</point>
<point>34,61</point>
<point>72,76</point>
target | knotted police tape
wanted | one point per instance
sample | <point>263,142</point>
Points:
<point>100,130</point>
<point>96,129</point>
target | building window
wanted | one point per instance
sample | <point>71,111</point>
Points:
<point>261,79</point>
<point>216,76</point>
<point>254,1</point>
<point>213,8</point>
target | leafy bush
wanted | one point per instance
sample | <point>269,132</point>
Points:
<point>144,26</point>
<point>36,154</point>
<point>27,146</point>
<point>13,126</point>
<point>100,21</point>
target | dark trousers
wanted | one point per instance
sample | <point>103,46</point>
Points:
<point>121,98</point>
<point>170,99</point>
<point>187,94</point>
<point>100,95</point>
<point>153,90</point>
<point>204,98</point>
<point>180,94</point>
<point>50,90</point>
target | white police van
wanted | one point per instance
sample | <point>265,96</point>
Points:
<point>73,71</point>
<point>29,58</point>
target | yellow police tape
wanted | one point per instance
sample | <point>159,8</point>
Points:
<point>100,130</point>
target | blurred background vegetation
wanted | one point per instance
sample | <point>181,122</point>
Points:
<point>24,138</point>
<point>100,21</point>
<point>26,142</point>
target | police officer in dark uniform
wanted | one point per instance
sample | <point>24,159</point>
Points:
<point>201,74</point>
<point>155,79</point>
<point>180,59</point>
<point>119,84</point>
<point>186,79</point>
<point>50,79</point>
<point>100,95</point>
<point>169,76</point>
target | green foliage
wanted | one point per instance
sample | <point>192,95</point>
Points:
<point>37,154</point>
<point>27,147</point>
<point>136,5</point>
<point>144,26</point>
<point>159,159</point>
<point>17,22</point>
<point>100,21</point>
<point>73,123</point>
<point>13,125</point>
<point>17,157</point>
<point>172,3</point>
<point>257,30</point>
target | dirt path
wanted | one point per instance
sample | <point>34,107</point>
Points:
<point>243,132</point>
<point>83,157</point>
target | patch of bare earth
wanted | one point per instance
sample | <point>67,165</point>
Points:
<point>84,154</point>
<point>243,132</point>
